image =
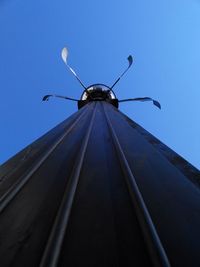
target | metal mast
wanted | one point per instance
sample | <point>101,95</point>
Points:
<point>99,190</point>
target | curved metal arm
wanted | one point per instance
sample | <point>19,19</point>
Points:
<point>130,61</point>
<point>156,103</point>
<point>64,55</point>
<point>46,97</point>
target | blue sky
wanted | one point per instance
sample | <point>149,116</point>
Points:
<point>163,37</point>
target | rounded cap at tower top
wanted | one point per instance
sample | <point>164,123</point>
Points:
<point>98,92</point>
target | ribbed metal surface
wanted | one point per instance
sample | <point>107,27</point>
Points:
<point>98,190</point>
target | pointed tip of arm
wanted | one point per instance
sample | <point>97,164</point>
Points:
<point>142,99</point>
<point>46,97</point>
<point>64,54</point>
<point>157,104</point>
<point>130,60</point>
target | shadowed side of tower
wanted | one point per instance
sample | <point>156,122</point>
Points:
<point>98,190</point>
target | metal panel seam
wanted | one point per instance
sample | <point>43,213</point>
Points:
<point>155,248</point>
<point>17,186</point>
<point>54,244</point>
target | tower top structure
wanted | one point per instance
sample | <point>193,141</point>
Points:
<point>99,91</point>
<point>99,190</point>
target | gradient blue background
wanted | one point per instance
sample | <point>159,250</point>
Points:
<point>163,37</point>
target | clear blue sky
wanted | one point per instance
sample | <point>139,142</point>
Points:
<point>163,37</point>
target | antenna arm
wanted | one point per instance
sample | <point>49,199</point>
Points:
<point>76,76</point>
<point>115,83</point>
<point>64,55</point>
<point>46,97</point>
<point>142,99</point>
<point>130,62</point>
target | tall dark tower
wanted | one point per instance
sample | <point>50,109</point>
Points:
<point>99,191</point>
